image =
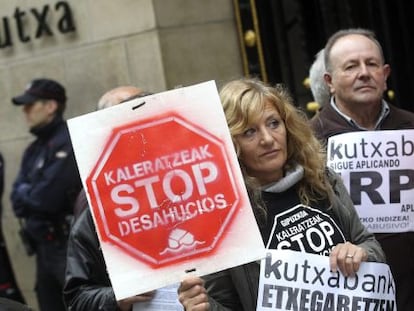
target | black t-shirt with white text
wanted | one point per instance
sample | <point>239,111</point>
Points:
<point>291,225</point>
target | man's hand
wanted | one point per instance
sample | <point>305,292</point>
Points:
<point>193,295</point>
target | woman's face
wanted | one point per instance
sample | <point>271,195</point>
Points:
<point>263,146</point>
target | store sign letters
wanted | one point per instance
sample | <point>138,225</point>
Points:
<point>41,18</point>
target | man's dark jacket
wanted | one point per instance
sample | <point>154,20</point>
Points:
<point>87,284</point>
<point>328,122</point>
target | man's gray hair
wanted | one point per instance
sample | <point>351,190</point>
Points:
<point>117,95</point>
<point>318,86</point>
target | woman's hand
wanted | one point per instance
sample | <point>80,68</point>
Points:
<point>347,257</point>
<point>193,295</point>
<point>126,304</point>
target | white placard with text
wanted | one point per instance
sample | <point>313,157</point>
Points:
<point>165,189</point>
<point>378,170</point>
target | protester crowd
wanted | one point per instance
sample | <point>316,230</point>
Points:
<point>282,157</point>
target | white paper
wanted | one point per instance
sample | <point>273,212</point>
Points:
<point>165,299</point>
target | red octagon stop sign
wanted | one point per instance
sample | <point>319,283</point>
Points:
<point>163,190</point>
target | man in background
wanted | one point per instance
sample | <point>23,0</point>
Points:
<point>46,187</point>
<point>356,74</point>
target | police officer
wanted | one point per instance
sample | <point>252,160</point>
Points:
<point>46,187</point>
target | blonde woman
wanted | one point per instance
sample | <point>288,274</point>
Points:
<point>285,174</point>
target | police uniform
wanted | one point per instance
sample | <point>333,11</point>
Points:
<point>43,195</point>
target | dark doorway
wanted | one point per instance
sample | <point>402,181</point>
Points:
<point>291,32</point>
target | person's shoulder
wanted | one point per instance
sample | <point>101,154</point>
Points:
<point>332,176</point>
<point>60,136</point>
<point>403,112</point>
<point>83,231</point>
<point>399,119</point>
<point>81,203</point>
<point>85,216</point>
<point>63,129</point>
<point>11,305</point>
<point>323,122</point>
<point>325,114</point>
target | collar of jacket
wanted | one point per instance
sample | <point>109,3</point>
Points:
<point>47,130</point>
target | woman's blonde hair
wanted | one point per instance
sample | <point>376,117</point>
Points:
<point>244,101</point>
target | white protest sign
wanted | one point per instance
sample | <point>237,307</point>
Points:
<point>292,282</point>
<point>165,189</point>
<point>378,170</point>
